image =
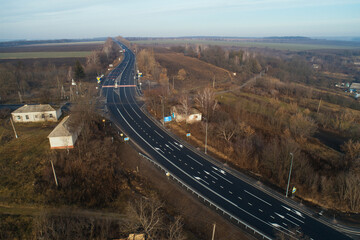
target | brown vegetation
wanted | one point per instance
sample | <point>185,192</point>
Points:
<point>258,127</point>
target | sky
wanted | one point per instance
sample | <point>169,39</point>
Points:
<point>55,19</point>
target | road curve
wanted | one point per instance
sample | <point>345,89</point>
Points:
<point>237,198</point>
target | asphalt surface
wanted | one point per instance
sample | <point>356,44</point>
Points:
<point>243,201</point>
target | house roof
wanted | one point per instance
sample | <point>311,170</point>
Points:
<point>355,85</point>
<point>34,108</point>
<point>62,129</point>
<point>180,110</point>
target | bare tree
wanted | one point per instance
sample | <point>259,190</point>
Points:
<point>302,126</point>
<point>185,104</point>
<point>352,154</point>
<point>207,102</point>
<point>227,130</point>
<point>176,230</point>
<point>147,215</point>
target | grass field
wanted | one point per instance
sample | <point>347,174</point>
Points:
<point>26,55</point>
<point>67,43</point>
<point>21,160</point>
<point>277,46</point>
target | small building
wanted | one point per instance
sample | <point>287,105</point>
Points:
<point>134,236</point>
<point>63,136</point>
<point>179,115</point>
<point>355,86</point>
<point>36,113</point>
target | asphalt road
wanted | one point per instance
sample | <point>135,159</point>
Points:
<point>237,198</point>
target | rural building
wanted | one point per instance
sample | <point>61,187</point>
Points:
<point>354,87</point>
<point>36,113</point>
<point>63,136</point>
<point>179,115</point>
<point>134,236</point>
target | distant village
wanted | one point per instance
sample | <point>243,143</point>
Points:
<point>353,89</point>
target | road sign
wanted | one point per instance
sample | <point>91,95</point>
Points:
<point>167,119</point>
<point>294,190</point>
<point>126,139</point>
<point>188,134</point>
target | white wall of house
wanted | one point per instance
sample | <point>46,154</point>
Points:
<point>62,142</point>
<point>37,116</point>
<point>194,118</point>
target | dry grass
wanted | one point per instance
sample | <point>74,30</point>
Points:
<point>21,160</point>
<point>199,73</point>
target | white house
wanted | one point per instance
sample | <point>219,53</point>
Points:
<point>36,113</point>
<point>63,136</point>
<point>178,113</point>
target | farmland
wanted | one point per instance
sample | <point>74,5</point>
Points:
<point>27,55</point>
<point>246,44</point>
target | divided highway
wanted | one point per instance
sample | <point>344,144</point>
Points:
<point>244,202</point>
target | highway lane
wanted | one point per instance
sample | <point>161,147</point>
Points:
<point>263,212</point>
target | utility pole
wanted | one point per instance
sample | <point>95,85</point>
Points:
<point>319,106</point>
<point>52,166</point>
<point>213,233</point>
<point>163,112</point>
<point>287,189</point>
<point>13,128</point>
<point>206,133</point>
<point>20,97</point>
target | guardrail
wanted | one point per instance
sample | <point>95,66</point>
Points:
<point>255,231</point>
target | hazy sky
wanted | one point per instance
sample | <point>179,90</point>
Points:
<point>53,19</point>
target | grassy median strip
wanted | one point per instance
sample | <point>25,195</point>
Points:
<point>26,55</point>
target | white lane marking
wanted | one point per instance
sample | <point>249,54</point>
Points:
<point>190,176</point>
<point>257,197</point>
<point>230,192</point>
<point>185,164</point>
<point>272,217</point>
<point>299,214</point>
<point>128,113</point>
<point>206,177</point>
<point>195,160</point>
<point>292,222</point>
<point>210,174</point>
<point>158,133</point>
<point>250,204</point>
<point>169,147</point>
<point>261,210</point>
<point>279,226</point>
<point>180,160</point>
<point>295,211</point>
<point>284,224</point>
<point>174,146</point>
<point>192,168</point>
<point>240,198</point>
<point>221,186</point>
<point>286,208</point>
<point>178,144</point>
<point>280,215</point>
<point>221,177</point>
<point>295,218</point>
<point>147,124</point>
<point>200,179</point>
<point>214,168</point>
<point>136,113</point>
<point>198,172</point>
<point>212,181</point>
<point>158,149</point>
